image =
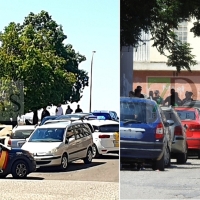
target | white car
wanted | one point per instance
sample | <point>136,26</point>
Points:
<point>105,137</point>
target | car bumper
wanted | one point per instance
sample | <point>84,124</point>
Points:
<point>178,146</point>
<point>32,166</point>
<point>140,151</point>
<point>105,150</point>
<point>193,143</point>
<point>42,161</point>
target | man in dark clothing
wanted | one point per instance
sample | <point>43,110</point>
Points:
<point>45,113</point>
<point>78,110</point>
<point>139,88</point>
<point>173,99</point>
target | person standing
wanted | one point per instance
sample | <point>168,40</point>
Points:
<point>139,88</point>
<point>188,97</point>
<point>150,95</point>
<point>69,110</point>
<point>158,98</point>
<point>173,99</point>
<point>78,110</point>
<point>59,110</point>
<point>45,113</point>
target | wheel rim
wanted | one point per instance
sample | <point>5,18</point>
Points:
<point>90,155</point>
<point>21,170</point>
<point>166,156</point>
<point>64,162</point>
<point>94,151</point>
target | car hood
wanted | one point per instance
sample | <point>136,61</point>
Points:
<point>39,147</point>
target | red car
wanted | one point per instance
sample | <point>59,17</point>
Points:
<point>190,118</point>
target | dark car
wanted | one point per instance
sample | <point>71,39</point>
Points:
<point>144,133</point>
<point>15,161</point>
<point>179,142</point>
<point>109,115</point>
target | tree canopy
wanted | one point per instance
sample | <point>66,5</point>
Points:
<point>34,53</point>
<point>160,18</point>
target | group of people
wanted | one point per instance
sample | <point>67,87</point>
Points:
<point>172,100</point>
<point>59,111</point>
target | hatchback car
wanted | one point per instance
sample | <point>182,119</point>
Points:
<point>19,134</point>
<point>57,144</point>
<point>190,118</point>
<point>15,161</point>
<point>144,133</point>
<point>179,140</point>
<point>105,137</point>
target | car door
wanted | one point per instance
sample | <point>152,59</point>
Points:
<point>70,143</point>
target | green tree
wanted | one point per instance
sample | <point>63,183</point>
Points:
<point>160,18</point>
<point>34,53</point>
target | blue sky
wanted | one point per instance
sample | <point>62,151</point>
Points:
<point>90,25</point>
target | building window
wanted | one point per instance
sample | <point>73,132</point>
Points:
<point>141,53</point>
<point>181,32</point>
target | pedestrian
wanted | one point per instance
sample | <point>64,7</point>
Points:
<point>188,97</point>
<point>158,98</point>
<point>150,95</point>
<point>173,99</point>
<point>59,110</point>
<point>45,113</point>
<point>78,110</point>
<point>131,94</point>
<point>69,110</point>
<point>35,117</point>
<point>137,93</point>
<point>140,89</point>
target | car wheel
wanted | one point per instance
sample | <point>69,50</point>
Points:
<point>88,158</point>
<point>167,157</point>
<point>64,162</point>
<point>95,151</point>
<point>3,176</point>
<point>19,169</point>
<point>181,158</point>
<point>159,164</point>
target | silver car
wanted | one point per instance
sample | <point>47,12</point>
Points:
<point>179,143</point>
<point>57,144</point>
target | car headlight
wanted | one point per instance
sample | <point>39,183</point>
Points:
<point>53,151</point>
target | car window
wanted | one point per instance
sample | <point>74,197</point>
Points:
<point>138,111</point>
<point>47,135</point>
<point>21,134</point>
<point>86,129</point>
<point>78,132</point>
<point>70,133</point>
<point>106,115</point>
<point>170,116</point>
<point>109,128</point>
<point>186,115</point>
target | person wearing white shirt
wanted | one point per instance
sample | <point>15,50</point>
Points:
<point>59,110</point>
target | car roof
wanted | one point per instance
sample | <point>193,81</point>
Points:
<point>55,125</point>
<point>24,127</point>
<point>166,108</point>
<point>185,108</point>
<point>136,99</point>
<point>102,122</point>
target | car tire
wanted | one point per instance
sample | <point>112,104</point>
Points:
<point>19,169</point>
<point>89,156</point>
<point>159,164</point>
<point>95,151</point>
<point>167,157</point>
<point>2,176</point>
<point>181,158</point>
<point>64,162</point>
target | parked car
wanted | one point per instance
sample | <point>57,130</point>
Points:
<point>109,115</point>
<point>57,144</point>
<point>190,118</point>
<point>47,118</point>
<point>15,161</point>
<point>179,140</point>
<point>144,133</point>
<point>194,103</point>
<point>19,134</point>
<point>105,137</point>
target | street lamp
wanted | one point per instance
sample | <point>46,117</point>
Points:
<point>91,81</point>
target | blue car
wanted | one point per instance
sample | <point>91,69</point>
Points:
<point>15,161</point>
<point>47,118</point>
<point>144,133</point>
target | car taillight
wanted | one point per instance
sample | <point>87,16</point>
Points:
<point>9,142</point>
<point>178,130</point>
<point>159,131</point>
<point>194,127</point>
<point>104,136</point>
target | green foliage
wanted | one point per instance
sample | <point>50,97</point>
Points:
<point>34,52</point>
<point>160,18</point>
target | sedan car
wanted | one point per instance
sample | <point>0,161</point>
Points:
<point>105,137</point>
<point>179,140</point>
<point>190,118</point>
<point>144,133</point>
<point>15,161</point>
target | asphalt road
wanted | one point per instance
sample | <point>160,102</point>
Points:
<point>176,182</point>
<point>98,180</point>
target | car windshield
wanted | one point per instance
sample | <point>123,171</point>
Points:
<point>47,135</point>
<point>107,128</point>
<point>137,112</point>
<point>186,115</point>
<point>170,115</point>
<point>106,115</point>
<point>21,134</point>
